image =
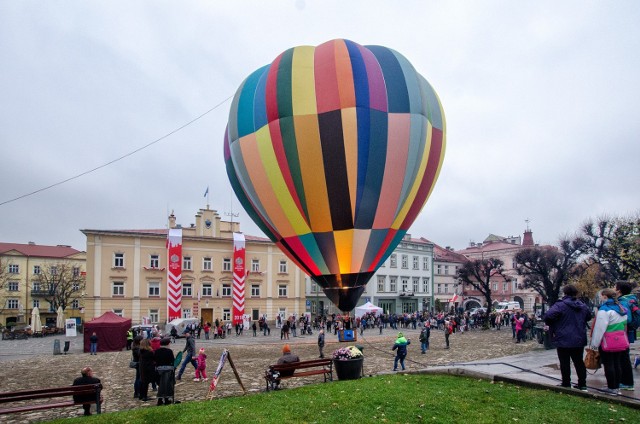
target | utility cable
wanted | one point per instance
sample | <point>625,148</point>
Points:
<point>82,174</point>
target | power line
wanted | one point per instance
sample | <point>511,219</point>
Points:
<point>82,174</point>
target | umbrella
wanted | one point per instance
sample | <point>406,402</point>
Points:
<point>60,318</point>
<point>36,324</point>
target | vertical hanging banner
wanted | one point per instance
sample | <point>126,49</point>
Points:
<point>239,275</point>
<point>174,274</point>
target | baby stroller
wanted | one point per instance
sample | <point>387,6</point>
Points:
<point>167,382</point>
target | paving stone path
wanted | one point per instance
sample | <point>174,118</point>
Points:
<point>29,364</point>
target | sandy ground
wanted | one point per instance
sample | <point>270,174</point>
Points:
<point>250,355</point>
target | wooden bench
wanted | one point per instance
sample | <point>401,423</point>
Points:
<point>314,367</point>
<point>22,397</point>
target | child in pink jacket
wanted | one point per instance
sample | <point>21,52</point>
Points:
<point>201,373</point>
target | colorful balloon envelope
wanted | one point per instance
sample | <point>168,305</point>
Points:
<point>333,151</point>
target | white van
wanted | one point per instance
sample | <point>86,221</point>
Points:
<point>180,324</point>
<point>508,307</point>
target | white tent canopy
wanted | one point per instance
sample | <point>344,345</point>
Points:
<point>367,307</point>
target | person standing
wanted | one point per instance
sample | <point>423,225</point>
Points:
<point>254,327</point>
<point>567,320</point>
<point>400,346</point>
<point>190,349</point>
<point>201,370</point>
<point>321,342</point>
<point>424,337</point>
<point>129,338</point>
<point>165,359</point>
<point>447,332</point>
<point>611,318</point>
<point>85,378</point>
<point>93,344</point>
<point>629,301</point>
<point>135,358</point>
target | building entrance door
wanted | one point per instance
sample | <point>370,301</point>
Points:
<point>207,315</point>
<point>388,306</point>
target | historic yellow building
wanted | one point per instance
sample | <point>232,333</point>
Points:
<point>127,273</point>
<point>31,273</point>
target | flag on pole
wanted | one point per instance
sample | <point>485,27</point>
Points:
<point>206,191</point>
<point>454,299</point>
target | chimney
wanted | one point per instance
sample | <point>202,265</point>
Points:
<point>32,243</point>
<point>172,220</point>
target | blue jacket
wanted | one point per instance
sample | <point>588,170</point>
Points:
<point>401,346</point>
<point>567,320</point>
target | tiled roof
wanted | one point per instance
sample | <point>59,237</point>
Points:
<point>36,250</point>
<point>489,247</point>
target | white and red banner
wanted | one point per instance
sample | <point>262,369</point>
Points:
<point>174,274</point>
<point>239,276</point>
<point>454,299</point>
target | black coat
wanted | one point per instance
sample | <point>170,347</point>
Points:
<point>147,366</point>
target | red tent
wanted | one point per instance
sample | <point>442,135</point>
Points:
<point>111,331</point>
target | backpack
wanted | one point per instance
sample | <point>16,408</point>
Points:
<point>633,323</point>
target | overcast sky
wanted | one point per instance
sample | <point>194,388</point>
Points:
<point>541,101</point>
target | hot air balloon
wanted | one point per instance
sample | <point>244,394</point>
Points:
<point>333,151</point>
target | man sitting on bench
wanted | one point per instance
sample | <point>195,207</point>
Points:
<point>86,378</point>
<point>286,358</point>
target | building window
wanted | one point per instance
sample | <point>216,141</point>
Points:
<point>282,290</point>
<point>495,287</point>
<point>76,271</point>
<point>439,288</point>
<point>416,262</point>
<point>154,316</point>
<point>393,284</point>
<point>12,304</point>
<point>505,286</point>
<point>118,312</point>
<point>425,285</point>
<point>446,270</point>
<point>405,284</point>
<point>255,265</point>
<point>154,289</point>
<point>438,269</point>
<point>226,290</point>
<point>255,314</point>
<point>207,290</point>
<point>207,265</point>
<point>186,263</point>
<point>186,313</point>
<point>186,290</point>
<point>54,270</point>
<point>36,286</point>
<point>226,314</point>
<point>255,290</point>
<point>117,289</point>
<point>118,260</point>
<point>36,303</point>
<point>154,261</point>
<point>75,304</point>
<point>393,262</point>
<point>405,261</point>
<point>283,267</point>
<point>425,263</point>
<point>14,269</point>
<point>381,280</point>
<point>75,286</point>
<point>446,289</point>
<point>36,270</point>
<point>416,284</point>
<point>13,286</point>
<point>226,265</point>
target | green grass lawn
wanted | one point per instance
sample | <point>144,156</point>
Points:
<point>388,399</point>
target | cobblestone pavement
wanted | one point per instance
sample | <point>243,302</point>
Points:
<point>30,363</point>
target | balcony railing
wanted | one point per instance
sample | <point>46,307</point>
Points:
<point>41,293</point>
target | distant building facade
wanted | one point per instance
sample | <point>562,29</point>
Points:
<point>21,291</point>
<point>505,249</point>
<point>126,273</point>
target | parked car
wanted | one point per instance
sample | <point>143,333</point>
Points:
<point>143,329</point>
<point>474,311</point>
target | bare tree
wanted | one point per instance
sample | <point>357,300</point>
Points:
<point>546,269</point>
<point>479,274</point>
<point>614,243</point>
<point>4,278</point>
<point>60,283</point>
